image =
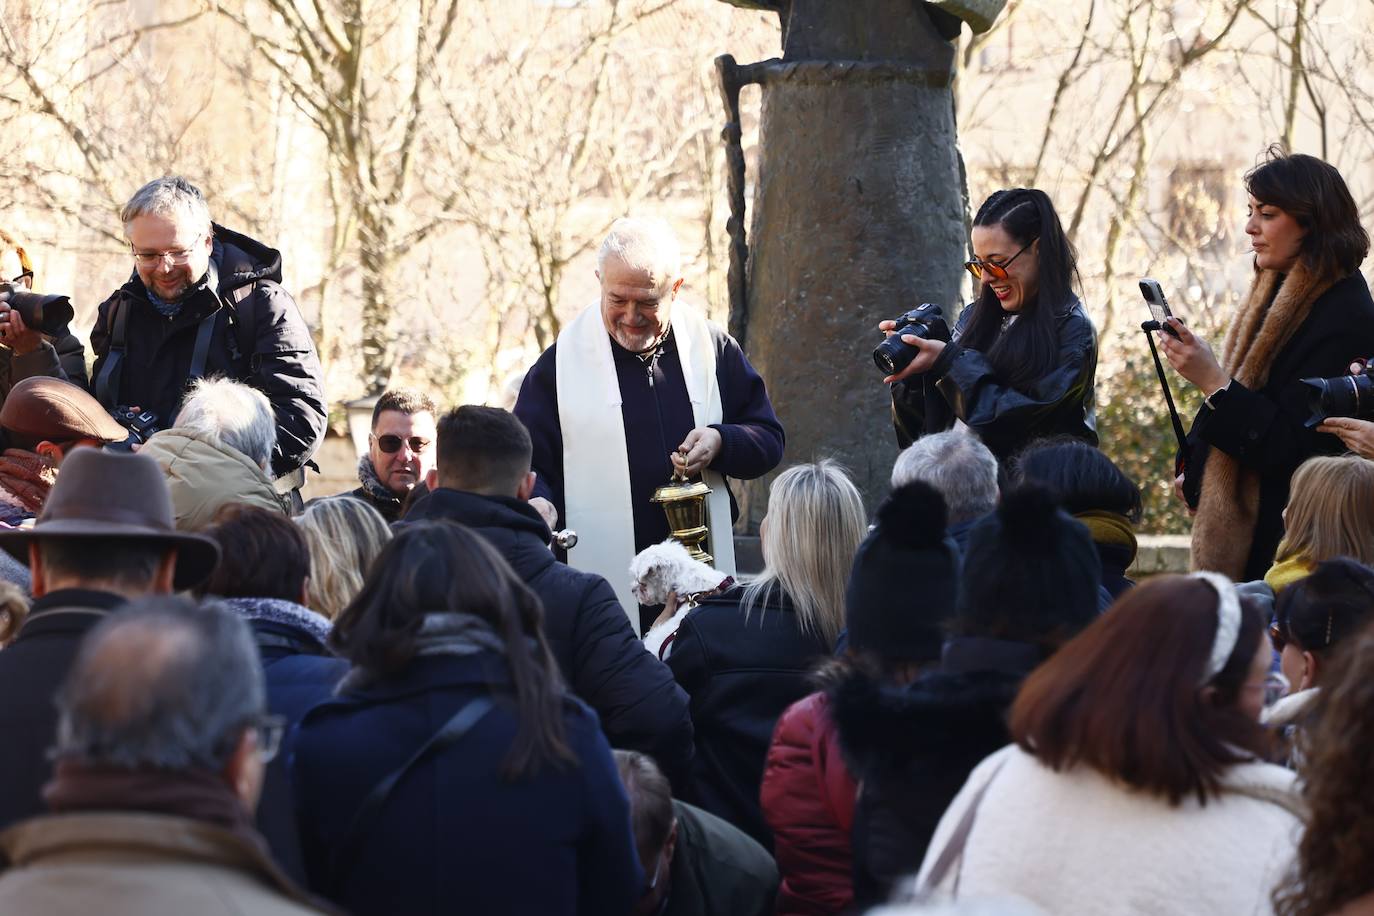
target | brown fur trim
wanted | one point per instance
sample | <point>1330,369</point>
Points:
<point>1224,527</point>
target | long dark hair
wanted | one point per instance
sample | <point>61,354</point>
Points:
<point>1315,195</point>
<point>1124,696</point>
<point>1030,347</point>
<point>1082,477</point>
<point>438,566</point>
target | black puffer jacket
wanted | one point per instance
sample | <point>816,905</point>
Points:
<point>912,748</point>
<point>963,385</point>
<point>282,362</point>
<point>604,663</point>
<point>741,675</point>
<point>62,357</point>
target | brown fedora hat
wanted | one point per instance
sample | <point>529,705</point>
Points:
<point>114,497</point>
<point>41,408</point>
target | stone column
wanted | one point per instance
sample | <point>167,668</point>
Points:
<point>858,215</point>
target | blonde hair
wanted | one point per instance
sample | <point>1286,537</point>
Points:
<point>344,535</point>
<point>10,243</point>
<point>1330,511</point>
<point>815,522</point>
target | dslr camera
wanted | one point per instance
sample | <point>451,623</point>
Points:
<point>1342,396</point>
<point>47,314</point>
<point>140,423</point>
<point>926,321</point>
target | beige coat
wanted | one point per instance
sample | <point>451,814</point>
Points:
<point>131,864</point>
<point>205,475</point>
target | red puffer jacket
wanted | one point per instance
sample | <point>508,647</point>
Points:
<point>808,800</point>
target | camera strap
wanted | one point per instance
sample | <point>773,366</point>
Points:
<point>107,383</point>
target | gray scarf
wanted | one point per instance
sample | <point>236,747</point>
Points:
<point>367,476</point>
<point>452,633</point>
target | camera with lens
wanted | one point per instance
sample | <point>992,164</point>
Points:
<point>1342,396</point>
<point>141,424</point>
<point>46,314</point>
<point>926,321</point>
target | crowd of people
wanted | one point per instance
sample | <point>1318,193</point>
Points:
<point>423,696</point>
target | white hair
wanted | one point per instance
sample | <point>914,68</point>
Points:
<point>171,196</point>
<point>643,244</point>
<point>956,464</point>
<point>232,414</point>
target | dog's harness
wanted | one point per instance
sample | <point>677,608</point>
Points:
<point>690,601</point>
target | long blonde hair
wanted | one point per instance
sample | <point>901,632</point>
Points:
<point>1330,511</point>
<point>345,535</point>
<point>814,525</point>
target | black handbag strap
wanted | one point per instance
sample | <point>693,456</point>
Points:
<point>107,383</point>
<point>365,817</point>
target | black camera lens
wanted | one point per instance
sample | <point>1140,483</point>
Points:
<point>1342,396</point>
<point>926,321</point>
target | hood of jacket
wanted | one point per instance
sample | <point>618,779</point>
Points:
<point>204,475</point>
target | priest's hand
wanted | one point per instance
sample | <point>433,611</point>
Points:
<point>697,451</point>
<point>546,511</point>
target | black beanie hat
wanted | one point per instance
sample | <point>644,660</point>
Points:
<point>904,586</point>
<point>1031,572</point>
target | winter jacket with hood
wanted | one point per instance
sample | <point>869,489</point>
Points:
<point>913,746</point>
<point>641,707</point>
<point>204,475</point>
<point>808,801</point>
<point>282,364</point>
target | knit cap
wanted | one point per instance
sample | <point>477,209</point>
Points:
<point>904,585</point>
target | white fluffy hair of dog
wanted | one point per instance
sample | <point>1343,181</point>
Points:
<point>669,567</point>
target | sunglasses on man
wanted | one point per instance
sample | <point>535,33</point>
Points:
<point>390,445</point>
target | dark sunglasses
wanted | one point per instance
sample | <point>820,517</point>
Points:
<point>978,266</point>
<point>392,444</point>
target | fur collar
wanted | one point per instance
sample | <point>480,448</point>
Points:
<point>1292,709</point>
<point>1228,510</point>
<point>287,613</point>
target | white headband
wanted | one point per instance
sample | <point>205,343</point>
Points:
<point>1228,622</point>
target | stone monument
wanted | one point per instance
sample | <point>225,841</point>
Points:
<point>859,213</point>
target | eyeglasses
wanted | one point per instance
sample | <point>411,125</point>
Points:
<point>390,445</point>
<point>270,730</point>
<point>1277,637</point>
<point>997,271</point>
<point>178,256</point>
<point>653,882</point>
<point>24,279</point>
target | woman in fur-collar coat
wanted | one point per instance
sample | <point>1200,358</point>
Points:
<point>1308,315</point>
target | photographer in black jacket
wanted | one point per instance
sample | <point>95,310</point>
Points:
<point>1023,359</point>
<point>204,300</point>
<point>26,352</point>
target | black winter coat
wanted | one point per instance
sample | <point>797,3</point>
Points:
<point>641,707</point>
<point>913,747</point>
<point>64,358</point>
<point>455,836</point>
<point>741,677</point>
<point>963,385</point>
<point>32,669</point>
<point>282,363</point>
<point>1265,430</point>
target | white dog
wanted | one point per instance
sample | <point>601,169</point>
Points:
<point>668,567</point>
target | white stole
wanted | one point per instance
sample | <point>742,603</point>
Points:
<point>596,464</point>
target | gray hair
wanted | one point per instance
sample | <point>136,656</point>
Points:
<point>815,522</point>
<point>643,244</point>
<point>170,196</point>
<point>232,414</point>
<point>956,464</point>
<point>167,683</point>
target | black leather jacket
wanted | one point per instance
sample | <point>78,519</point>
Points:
<point>963,385</point>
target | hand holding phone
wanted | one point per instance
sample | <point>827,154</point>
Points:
<point>1153,294</point>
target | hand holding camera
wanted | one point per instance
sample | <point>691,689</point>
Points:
<point>1344,407</point>
<point>914,342</point>
<point>25,316</point>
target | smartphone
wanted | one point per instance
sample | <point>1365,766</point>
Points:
<point>1159,306</point>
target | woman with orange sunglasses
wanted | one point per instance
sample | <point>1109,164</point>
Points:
<point>1022,360</point>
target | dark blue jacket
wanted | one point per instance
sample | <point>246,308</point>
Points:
<point>454,836</point>
<point>641,707</point>
<point>300,673</point>
<point>741,676</point>
<point>658,416</point>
